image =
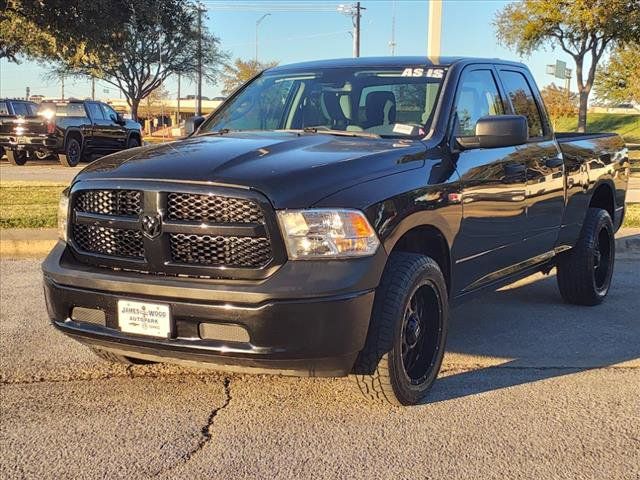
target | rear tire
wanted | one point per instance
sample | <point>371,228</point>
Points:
<point>17,157</point>
<point>584,272</point>
<point>115,358</point>
<point>407,333</point>
<point>72,153</point>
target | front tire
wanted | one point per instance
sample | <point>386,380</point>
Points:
<point>133,142</point>
<point>16,157</point>
<point>407,333</point>
<point>72,153</point>
<point>585,271</point>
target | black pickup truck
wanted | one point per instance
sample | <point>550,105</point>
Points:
<point>71,129</point>
<point>10,109</point>
<point>325,217</point>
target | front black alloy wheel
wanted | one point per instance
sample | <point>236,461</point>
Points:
<point>407,333</point>
<point>585,271</point>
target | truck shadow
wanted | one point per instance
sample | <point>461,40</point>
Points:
<point>525,333</point>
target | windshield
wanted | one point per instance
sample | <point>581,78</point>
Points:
<point>390,102</point>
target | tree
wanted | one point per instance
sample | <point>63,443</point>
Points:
<point>559,102</point>
<point>57,29</point>
<point>234,76</point>
<point>584,29</point>
<point>156,41</point>
<point>619,79</point>
<point>134,45</point>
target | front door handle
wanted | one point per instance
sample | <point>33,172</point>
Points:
<point>554,162</point>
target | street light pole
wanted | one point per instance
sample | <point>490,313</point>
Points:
<point>258,22</point>
<point>199,73</point>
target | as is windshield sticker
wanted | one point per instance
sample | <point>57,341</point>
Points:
<point>423,72</point>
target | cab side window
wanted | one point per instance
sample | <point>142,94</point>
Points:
<point>95,111</point>
<point>521,96</point>
<point>477,97</point>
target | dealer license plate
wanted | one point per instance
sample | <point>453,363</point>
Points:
<point>142,318</point>
<point>22,140</point>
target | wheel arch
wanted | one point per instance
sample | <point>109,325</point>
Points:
<point>73,133</point>
<point>604,197</point>
<point>427,240</point>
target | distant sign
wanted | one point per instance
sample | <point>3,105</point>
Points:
<point>561,69</point>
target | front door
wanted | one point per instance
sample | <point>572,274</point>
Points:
<point>493,183</point>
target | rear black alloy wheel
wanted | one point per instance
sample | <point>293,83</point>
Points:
<point>407,333</point>
<point>72,155</point>
<point>585,271</point>
<point>17,157</point>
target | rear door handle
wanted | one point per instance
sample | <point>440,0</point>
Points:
<point>554,162</point>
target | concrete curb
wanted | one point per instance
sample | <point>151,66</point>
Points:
<point>37,243</point>
<point>27,242</point>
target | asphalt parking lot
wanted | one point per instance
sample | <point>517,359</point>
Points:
<point>531,388</point>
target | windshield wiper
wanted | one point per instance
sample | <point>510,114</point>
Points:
<point>344,133</point>
<point>222,131</point>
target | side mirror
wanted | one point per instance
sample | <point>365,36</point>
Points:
<point>192,124</point>
<point>497,131</point>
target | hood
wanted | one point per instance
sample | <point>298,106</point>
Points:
<point>292,170</point>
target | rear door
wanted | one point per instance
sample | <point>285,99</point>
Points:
<point>117,133</point>
<point>493,188</point>
<point>543,159</point>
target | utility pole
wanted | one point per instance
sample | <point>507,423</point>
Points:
<point>258,22</point>
<point>93,88</point>
<point>199,80</point>
<point>392,42</point>
<point>62,87</point>
<point>28,94</point>
<point>434,30</point>
<point>355,12</point>
<point>178,106</point>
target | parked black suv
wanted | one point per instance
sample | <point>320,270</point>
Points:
<point>324,218</point>
<point>10,109</point>
<point>71,130</point>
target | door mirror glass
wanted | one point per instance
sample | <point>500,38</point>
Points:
<point>497,131</point>
<point>192,124</point>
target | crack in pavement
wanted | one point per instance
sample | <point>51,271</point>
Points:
<point>205,432</point>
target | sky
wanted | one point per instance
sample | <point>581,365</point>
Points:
<point>289,37</point>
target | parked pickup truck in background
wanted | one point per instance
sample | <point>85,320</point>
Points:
<point>325,217</point>
<point>10,109</point>
<point>69,129</point>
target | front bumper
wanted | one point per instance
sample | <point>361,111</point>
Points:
<point>308,318</point>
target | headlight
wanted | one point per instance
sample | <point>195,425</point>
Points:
<point>327,233</point>
<point>63,214</point>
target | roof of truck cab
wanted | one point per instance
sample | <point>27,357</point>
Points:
<point>367,62</point>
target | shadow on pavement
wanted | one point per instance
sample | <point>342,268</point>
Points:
<point>525,333</point>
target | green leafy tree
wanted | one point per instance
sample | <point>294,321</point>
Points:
<point>234,76</point>
<point>619,78</point>
<point>134,45</point>
<point>559,102</point>
<point>57,29</point>
<point>584,29</point>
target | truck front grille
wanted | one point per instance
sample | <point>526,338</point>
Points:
<point>230,251</point>
<point>201,235</point>
<point>110,202</point>
<point>213,209</point>
<point>109,241</point>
